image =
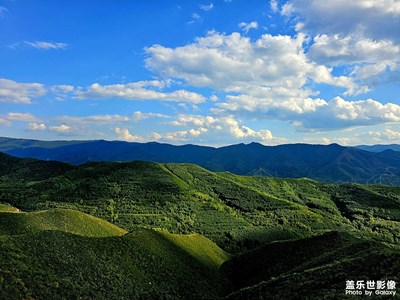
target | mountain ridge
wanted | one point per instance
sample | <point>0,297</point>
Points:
<point>328,163</point>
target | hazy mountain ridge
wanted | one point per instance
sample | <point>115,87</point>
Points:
<point>330,163</point>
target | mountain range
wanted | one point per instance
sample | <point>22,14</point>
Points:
<point>328,163</point>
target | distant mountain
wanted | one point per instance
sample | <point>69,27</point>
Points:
<point>379,148</point>
<point>330,163</point>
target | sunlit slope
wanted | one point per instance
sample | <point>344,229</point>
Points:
<point>5,207</point>
<point>144,264</point>
<point>199,247</point>
<point>65,220</point>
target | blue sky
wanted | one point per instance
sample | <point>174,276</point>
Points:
<point>201,72</point>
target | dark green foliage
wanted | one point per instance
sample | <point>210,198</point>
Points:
<point>141,265</point>
<point>314,268</point>
<point>238,213</point>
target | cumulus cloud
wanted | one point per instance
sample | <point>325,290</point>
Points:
<point>233,63</point>
<point>125,135</point>
<point>179,136</point>
<point>373,19</point>
<point>46,45</point>
<point>4,121</point>
<point>386,135</point>
<point>246,27</point>
<point>63,128</point>
<point>21,117</point>
<point>313,114</point>
<point>142,90</point>
<point>36,126</point>
<point>337,50</point>
<point>226,124</point>
<point>23,93</point>
<point>138,116</point>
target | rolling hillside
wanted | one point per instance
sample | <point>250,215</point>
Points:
<point>330,163</point>
<point>65,254</point>
<point>313,268</point>
<point>65,220</point>
<point>236,212</point>
<point>182,232</point>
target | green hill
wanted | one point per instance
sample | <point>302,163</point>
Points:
<point>237,212</point>
<point>313,268</point>
<point>183,221</point>
<point>57,219</point>
<point>143,264</point>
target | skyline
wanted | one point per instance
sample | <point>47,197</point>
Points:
<point>208,73</point>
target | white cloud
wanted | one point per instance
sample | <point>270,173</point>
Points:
<point>46,45</point>
<point>247,26</point>
<point>233,63</point>
<point>62,88</point>
<point>313,114</point>
<point>197,120</point>
<point>339,50</point>
<point>21,117</point>
<point>4,121</point>
<point>125,135</point>
<point>138,116</point>
<point>214,98</point>
<point>206,7</point>
<point>274,5</point>
<point>241,131</point>
<point>280,109</point>
<point>215,127</point>
<point>15,92</point>
<point>138,91</point>
<point>376,19</point>
<point>365,110</point>
<point>94,119</point>
<point>63,128</point>
<point>179,136</point>
<point>368,63</point>
<point>387,135</point>
<point>36,126</point>
<point>195,19</point>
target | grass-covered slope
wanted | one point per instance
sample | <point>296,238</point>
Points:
<point>236,212</point>
<point>313,268</point>
<point>5,207</point>
<point>65,220</point>
<point>67,254</point>
<point>143,264</point>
